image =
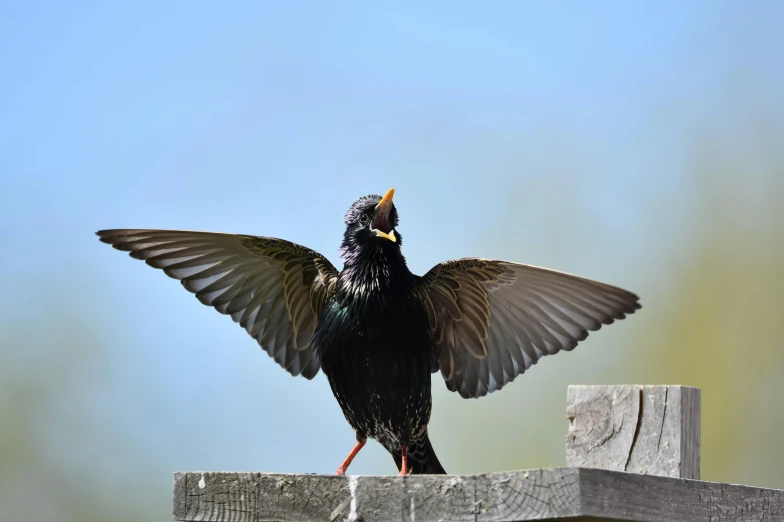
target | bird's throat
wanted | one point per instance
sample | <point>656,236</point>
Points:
<point>375,270</point>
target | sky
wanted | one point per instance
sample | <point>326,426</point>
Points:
<point>557,135</point>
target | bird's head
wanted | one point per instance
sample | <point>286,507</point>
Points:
<point>370,226</point>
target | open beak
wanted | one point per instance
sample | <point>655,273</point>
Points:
<point>380,224</point>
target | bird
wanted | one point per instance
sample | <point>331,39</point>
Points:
<point>376,330</point>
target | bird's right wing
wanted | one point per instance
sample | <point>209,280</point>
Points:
<point>273,288</point>
<point>491,320</point>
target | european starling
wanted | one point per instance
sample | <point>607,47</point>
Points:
<point>377,330</point>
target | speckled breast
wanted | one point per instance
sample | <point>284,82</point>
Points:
<point>377,357</point>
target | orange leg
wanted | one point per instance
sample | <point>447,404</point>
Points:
<point>343,467</point>
<point>404,463</point>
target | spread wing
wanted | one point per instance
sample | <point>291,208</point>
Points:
<point>273,288</point>
<point>492,320</point>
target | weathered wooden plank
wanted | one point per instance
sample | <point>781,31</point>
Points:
<point>651,430</point>
<point>544,494</point>
<point>216,496</point>
<point>614,495</point>
<point>528,495</point>
<point>691,431</point>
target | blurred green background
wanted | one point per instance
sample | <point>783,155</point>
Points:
<point>638,145</point>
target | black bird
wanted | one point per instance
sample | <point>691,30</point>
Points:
<point>377,330</point>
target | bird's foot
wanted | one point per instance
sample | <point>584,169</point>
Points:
<point>343,467</point>
<point>404,461</point>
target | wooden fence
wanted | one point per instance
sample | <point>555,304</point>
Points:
<point>633,453</point>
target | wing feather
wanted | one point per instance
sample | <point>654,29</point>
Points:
<point>492,320</point>
<point>273,288</point>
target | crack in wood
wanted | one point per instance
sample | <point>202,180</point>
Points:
<point>664,416</point>
<point>636,428</point>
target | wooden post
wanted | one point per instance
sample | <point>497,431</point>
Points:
<point>648,429</point>
<point>652,430</point>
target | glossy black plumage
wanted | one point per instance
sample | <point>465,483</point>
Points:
<point>374,343</point>
<point>377,330</point>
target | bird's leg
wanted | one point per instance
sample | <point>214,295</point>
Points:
<point>404,460</point>
<point>358,446</point>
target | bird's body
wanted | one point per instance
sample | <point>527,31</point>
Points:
<point>377,330</point>
<point>373,342</point>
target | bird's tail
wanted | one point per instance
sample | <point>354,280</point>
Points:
<point>421,458</point>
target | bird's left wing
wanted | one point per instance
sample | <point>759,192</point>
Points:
<point>491,320</point>
<point>273,288</point>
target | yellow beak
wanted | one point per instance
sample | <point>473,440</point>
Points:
<point>386,202</point>
<point>382,211</point>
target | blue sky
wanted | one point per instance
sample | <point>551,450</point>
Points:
<point>555,135</point>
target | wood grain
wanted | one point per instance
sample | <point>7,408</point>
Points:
<point>542,494</point>
<point>652,430</point>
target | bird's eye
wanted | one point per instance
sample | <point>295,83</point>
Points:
<point>364,219</point>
